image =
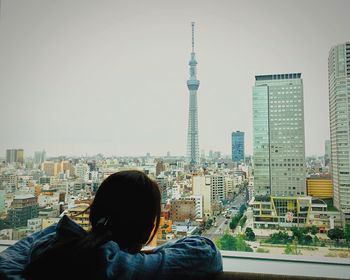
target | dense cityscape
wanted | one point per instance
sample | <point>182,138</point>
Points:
<point>277,200</point>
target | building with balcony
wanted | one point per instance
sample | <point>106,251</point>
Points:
<point>23,208</point>
<point>285,212</point>
<point>80,215</point>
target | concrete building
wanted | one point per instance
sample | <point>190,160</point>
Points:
<point>237,146</point>
<point>201,186</point>
<point>34,225</point>
<point>339,114</point>
<point>199,207</point>
<point>48,167</point>
<point>164,185</point>
<point>80,215</point>
<point>15,155</point>
<point>217,187</point>
<point>229,187</point>
<point>2,201</point>
<point>183,209</point>
<point>192,133</point>
<point>39,157</point>
<point>278,135</point>
<point>286,212</point>
<point>82,171</point>
<point>23,208</point>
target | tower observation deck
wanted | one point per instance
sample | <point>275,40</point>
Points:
<point>193,84</point>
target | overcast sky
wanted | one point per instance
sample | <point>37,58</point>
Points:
<point>85,77</point>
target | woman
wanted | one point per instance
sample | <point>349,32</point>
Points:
<point>124,217</point>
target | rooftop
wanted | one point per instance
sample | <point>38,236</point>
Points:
<point>278,77</point>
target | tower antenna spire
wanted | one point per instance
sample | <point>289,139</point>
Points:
<point>192,36</point>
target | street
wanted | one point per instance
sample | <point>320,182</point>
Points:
<point>233,207</point>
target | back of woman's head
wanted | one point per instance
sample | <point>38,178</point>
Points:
<point>126,209</point>
<point>127,204</point>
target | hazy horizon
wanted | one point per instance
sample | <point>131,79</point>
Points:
<point>88,77</point>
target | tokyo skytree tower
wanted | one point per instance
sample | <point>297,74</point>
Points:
<point>192,134</point>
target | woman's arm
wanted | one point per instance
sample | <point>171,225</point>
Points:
<point>189,257</point>
<point>15,258</point>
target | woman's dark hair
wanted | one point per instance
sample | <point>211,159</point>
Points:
<point>126,209</point>
<point>128,205</point>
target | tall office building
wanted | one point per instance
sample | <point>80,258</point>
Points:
<point>339,112</point>
<point>237,146</point>
<point>278,135</point>
<point>15,155</point>
<point>39,157</point>
<point>192,133</point>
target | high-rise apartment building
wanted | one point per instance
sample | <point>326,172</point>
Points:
<point>192,132</point>
<point>23,208</point>
<point>278,135</point>
<point>237,146</point>
<point>49,168</point>
<point>39,157</point>
<point>339,113</point>
<point>15,155</point>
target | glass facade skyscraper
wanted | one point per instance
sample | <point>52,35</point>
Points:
<point>278,135</point>
<point>339,113</point>
<point>237,146</point>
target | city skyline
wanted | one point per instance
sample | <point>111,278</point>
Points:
<point>89,77</point>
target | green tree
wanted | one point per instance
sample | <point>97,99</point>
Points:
<point>242,209</point>
<point>280,237</point>
<point>231,243</point>
<point>242,221</point>
<point>347,233</point>
<point>226,242</point>
<point>335,234</point>
<point>241,245</point>
<point>249,234</point>
<point>297,232</point>
<point>314,230</point>
<point>234,221</point>
<point>305,240</point>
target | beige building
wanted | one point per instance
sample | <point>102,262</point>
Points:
<point>79,216</point>
<point>49,167</point>
<point>183,209</point>
<point>201,186</point>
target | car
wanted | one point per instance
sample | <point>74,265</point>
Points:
<point>226,222</point>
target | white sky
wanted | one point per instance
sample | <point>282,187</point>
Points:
<point>85,77</point>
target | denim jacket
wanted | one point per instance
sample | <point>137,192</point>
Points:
<point>189,257</point>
